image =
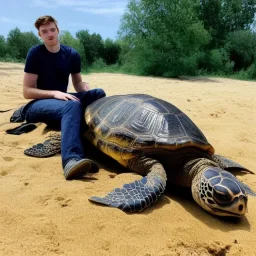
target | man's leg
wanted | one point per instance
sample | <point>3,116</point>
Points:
<point>87,97</point>
<point>70,115</point>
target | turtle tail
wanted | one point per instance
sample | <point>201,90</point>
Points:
<point>137,195</point>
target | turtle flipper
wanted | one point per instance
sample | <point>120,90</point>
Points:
<point>229,164</point>
<point>134,196</point>
<point>48,148</point>
<point>137,195</point>
<point>248,190</point>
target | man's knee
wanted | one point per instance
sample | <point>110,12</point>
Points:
<point>72,106</point>
<point>100,93</point>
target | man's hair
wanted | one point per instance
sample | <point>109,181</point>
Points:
<point>44,20</point>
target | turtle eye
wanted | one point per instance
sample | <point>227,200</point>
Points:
<point>221,195</point>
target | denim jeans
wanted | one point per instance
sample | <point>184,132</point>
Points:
<point>68,115</point>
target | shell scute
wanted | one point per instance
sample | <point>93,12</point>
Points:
<point>129,124</point>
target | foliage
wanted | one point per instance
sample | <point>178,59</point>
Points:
<point>92,46</point>
<point>241,46</point>
<point>66,38</point>
<point>167,38</point>
<point>111,51</point>
<point>2,46</point>
<point>224,16</point>
<point>18,43</point>
<point>216,61</point>
<point>163,37</point>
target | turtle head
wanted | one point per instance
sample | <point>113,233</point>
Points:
<point>219,192</point>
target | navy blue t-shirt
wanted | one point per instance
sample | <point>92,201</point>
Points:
<point>53,69</point>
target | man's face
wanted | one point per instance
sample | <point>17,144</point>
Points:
<point>49,33</point>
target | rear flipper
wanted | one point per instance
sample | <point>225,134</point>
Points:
<point>229,164</point>
<point>137,195</point>
<point>48,148</point>
<point>247,189</point>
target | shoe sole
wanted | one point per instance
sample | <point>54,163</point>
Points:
<point>81,168</point>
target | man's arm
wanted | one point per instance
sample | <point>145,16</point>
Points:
<point>78,84</point>
<point>30,91</point>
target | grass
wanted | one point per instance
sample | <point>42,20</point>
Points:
<point>100,67</point>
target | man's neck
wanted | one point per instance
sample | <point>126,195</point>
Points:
<point>53,48</point>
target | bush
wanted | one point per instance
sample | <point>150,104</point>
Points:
<point>216,62</point>
<point>240,46</point>
<point>98,64</point>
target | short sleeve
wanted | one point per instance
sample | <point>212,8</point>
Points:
<point>75,62</point>
<point>31,65</point>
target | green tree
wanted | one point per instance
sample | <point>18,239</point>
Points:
<point>2,46</point>
<point>14,41</point>
<point>164,37</point>
<point>19,43</point>
<point>92,46</point>
<point>237,14</point>
<point>111,51</point>
<point>241,47</point>
<point>224,16</point>
<point>67,39</point>
<point>28,40</point>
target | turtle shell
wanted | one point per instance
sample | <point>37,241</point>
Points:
<point>123,126</point>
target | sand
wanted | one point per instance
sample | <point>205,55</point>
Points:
<point>43,214</point>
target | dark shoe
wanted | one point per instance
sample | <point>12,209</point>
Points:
<point>24,128</point>
<point>17,116</point>
<point>77,168</point>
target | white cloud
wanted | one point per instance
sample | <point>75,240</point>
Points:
<point>83,25</point>
<point>101,10</point>
<point>90,6</point>
<point>46,4</point>
<point>12,21</point>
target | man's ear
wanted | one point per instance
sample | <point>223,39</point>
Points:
<point>39,34</point>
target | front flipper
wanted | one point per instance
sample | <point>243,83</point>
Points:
<point>139,194</point>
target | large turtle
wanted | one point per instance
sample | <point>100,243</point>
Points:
<point>155,139</point>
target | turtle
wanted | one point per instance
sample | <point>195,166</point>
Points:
<point>155,139</point>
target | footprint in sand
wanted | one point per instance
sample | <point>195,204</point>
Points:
<point>62,201</point>
<point>44,200</point>
<point>8,158</point>
<point>4,173</point>
<point>217,114</point>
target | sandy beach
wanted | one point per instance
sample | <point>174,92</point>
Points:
<point>43,214</point>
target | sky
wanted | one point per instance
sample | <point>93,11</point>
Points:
<point>96,16</point>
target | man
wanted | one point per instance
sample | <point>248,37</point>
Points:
<point>47,71</point>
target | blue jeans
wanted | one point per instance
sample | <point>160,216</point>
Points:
<point>68,115</point>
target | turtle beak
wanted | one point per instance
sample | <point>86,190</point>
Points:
<point>240,205</point>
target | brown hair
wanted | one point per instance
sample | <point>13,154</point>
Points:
<point>46,19</point>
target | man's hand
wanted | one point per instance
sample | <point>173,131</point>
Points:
<point>64,96</point>
<point>79,85</point>
<point>82,86</point>
<point>86,86</point>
